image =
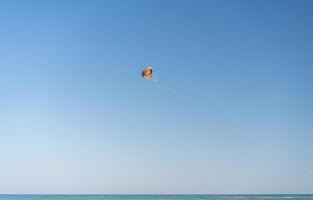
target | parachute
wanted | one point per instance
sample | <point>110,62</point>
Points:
<point>147,73</point>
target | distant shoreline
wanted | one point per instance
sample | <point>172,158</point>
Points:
<point>161,194</point>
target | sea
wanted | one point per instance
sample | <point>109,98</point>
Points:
<point>158,197</point>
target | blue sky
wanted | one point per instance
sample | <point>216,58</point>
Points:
<point>233,113</point>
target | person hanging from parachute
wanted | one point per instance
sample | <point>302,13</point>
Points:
<point>148,73</point>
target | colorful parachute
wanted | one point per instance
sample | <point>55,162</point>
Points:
<point>147,73</point>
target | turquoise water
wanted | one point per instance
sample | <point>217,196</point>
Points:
<point>156,197</point>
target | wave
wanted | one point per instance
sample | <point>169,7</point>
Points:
<point>285,197</point>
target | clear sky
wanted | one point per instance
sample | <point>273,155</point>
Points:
<point>233,113</point>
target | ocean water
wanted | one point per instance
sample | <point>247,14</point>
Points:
<point>158,197</point>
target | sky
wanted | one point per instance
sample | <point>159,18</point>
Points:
<point>233,112</point>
